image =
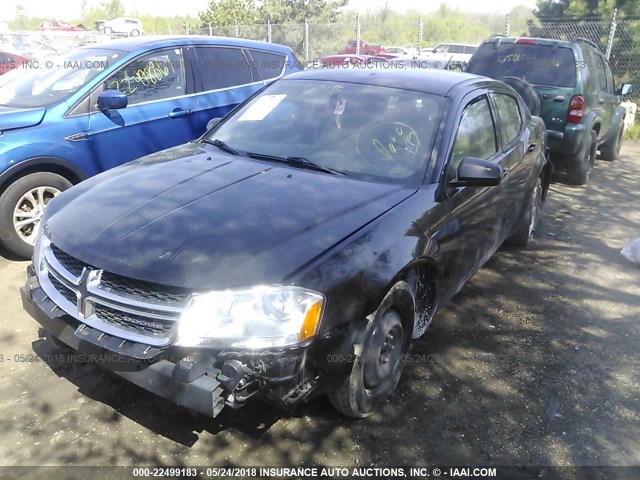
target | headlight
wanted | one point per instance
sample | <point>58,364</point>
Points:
<point>256,318</point>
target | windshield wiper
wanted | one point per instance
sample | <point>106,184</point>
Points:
<point>222,146</point>
<point>300,162</point>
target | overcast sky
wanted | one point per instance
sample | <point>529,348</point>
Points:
<point>70,9</point>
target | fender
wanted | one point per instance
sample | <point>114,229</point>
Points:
<point>618,118</point>
<point>32,164</point>
<point>590,120</point>
<point>376,260</point>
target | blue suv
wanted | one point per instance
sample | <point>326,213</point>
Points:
<point>105,104</point>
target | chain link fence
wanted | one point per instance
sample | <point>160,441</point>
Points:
<point>312,40</point>
<point>619,39</point>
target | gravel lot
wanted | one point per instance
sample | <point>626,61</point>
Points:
<point>535,362</point>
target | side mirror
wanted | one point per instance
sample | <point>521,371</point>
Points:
<point>474,172</point>
<point>112,100</point>
<point>625,89</point>
<point>213,122</point>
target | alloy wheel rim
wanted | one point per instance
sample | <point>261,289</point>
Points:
<point>29,210</point>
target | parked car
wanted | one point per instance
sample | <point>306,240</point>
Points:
<point>572,86</point>
<point>400,51</point>
<point>300,245</point>
<point>451,53</point>
<point>9,61</point>
<point>58,26</point>
<point>104,105</point>
<point>129,26</point>
<point>365,49</point>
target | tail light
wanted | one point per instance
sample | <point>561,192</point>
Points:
<point>576,109</point>
<point>527,41</point>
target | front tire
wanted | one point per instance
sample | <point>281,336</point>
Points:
<point>579,166</point>
<point>610,150</point>
<point>107,30</point>
<point>525,231</point>
<point>21,207</point>
<point>379,359</point>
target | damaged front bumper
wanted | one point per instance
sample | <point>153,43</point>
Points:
<point>200,380</point>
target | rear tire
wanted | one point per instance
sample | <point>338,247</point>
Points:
<point>526,91</point>
<point>21,207</point>
<point>378,363</point>
<point>579,166</point>
<point>107,30</point>
<point>610,150</point>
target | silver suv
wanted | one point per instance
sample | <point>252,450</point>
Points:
<point>129,26</point>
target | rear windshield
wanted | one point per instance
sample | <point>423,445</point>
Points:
<point>537,64</point>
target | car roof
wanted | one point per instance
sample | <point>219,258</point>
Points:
<point>539,41</point>
<point>131,44</point>
<point>424,80</point>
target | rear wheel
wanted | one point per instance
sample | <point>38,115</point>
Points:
<point>107,30</point>
<point>135,33</point>
<point>21,207</point>
<point>379,362</point>
<point>580,165</point>
<point>610,150</point>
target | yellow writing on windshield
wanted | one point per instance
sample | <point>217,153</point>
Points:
<point>153,73</point>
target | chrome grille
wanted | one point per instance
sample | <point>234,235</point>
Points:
<point>142,290</point>
<point>143,325</point>
<point>131,309</point>
<point>64,291</point>
<point>73,265</point>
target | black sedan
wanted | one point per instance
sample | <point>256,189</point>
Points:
<point>300,245</point>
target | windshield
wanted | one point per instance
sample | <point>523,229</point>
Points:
<point>537,64</point>
<point>40,83</point>
<point>366,131</point>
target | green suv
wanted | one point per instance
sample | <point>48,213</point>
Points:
<point>570,85</point>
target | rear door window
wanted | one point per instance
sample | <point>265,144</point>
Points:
<point>269,65</point>
<point>222,67</point>
<point>537,64</point>
<point>602,74</point>
<point>611,88</point>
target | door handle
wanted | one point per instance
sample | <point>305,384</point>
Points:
<point>179,112</point>
<point>531,147</point>
<point>554,98</point>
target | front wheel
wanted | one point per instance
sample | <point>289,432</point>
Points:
<point>524,232</point>
<point>21,207</point>
<point>379,358</point>
<point>610,150</point>
<point>107,30</point>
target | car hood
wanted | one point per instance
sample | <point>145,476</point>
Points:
<point>207,220</point>
<point>13,118</point>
